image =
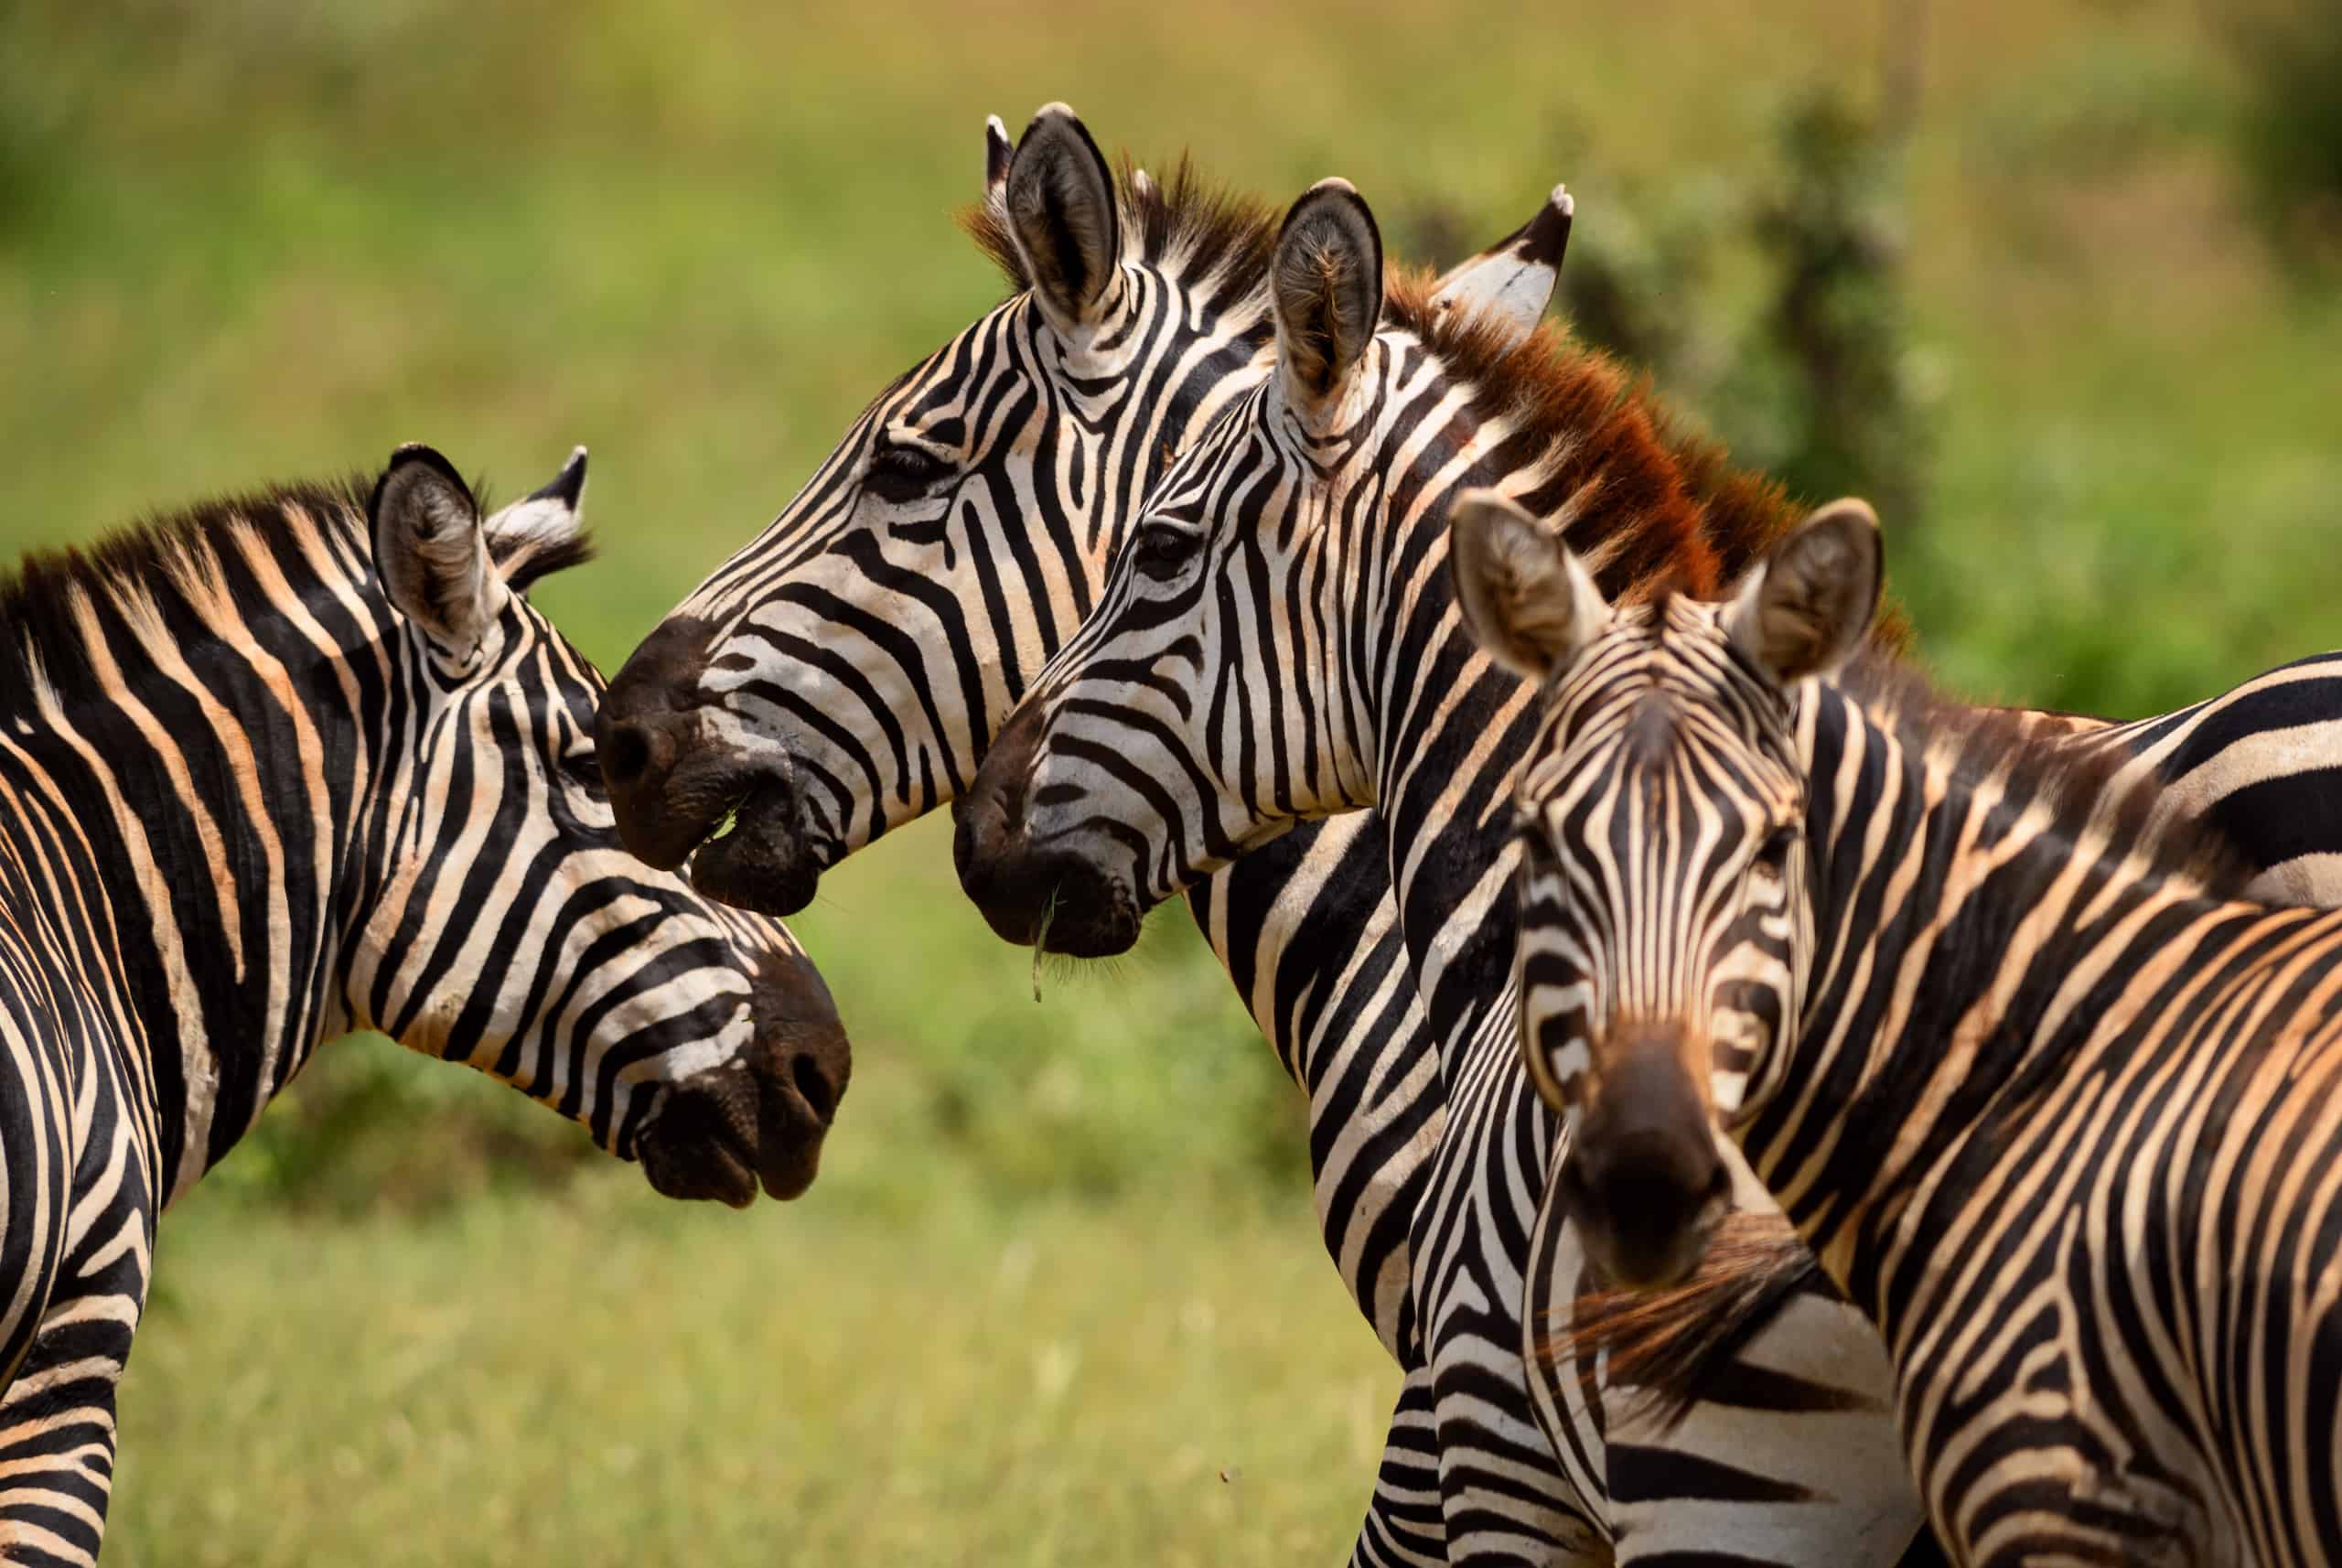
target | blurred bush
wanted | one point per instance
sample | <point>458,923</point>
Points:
<point>368,1127</point>
<point>1768,304</point>
<point>2289,124</point>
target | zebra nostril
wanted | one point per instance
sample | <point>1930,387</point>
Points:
<point>626,755</point>
<point>806,1074</point>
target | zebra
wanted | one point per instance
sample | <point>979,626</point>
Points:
<point>1278,641</point>
<point>2048,1098</point>
<point>299,763</point>
<point>842,673</point>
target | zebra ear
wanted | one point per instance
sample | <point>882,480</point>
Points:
<point>542,531</point>
<point>430,551</point>
<point>1522,594</point>
<point>1060,200</point>
<point>1805,608</point>
<point>1326,284</point>
<point>1512,281</point>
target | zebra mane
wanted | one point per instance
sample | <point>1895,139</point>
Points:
<point>157,569</point>
<point>1581,420</point>
<point>1203,226</point>
<point>2100,799</point>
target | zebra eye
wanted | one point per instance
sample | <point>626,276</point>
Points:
<point>1162,550</point>
<point>1774,852</point>
<point>583,765</point>
<point>900,473</point>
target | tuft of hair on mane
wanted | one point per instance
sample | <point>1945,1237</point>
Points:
<point>1671,1344</point>
<point>1208,226</point>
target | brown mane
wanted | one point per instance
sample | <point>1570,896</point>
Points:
<point>1691,521</point>
<point>1682,515</point>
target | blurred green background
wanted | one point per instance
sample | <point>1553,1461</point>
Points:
<point>2054,280</point>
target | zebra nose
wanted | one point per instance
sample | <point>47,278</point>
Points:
<point>986,834</point>
<point>643,730</point>
<point>629,749</point>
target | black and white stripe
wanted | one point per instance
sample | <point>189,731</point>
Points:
<point>1280,641</point>
<point>2050,1101</point>
<point>846,670</point>
<point>298,764</point>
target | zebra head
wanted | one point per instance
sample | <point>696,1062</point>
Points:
<point>847,668</point>
<point>504,925</point>
<point>1228,683</point>
<point>1665,921</point>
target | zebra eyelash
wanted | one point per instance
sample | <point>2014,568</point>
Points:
<point>1159,551</point>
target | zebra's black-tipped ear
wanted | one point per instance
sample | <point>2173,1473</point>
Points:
<point>1326,285</point>
<point>542,531</point>
<point>1804,610</point>
<point>1523,596</point>
<point>1060,200</point>
<point>430,551</point>
<point>1512,281</point>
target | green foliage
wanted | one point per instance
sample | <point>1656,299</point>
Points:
<point>367,1126</point>
<point>1848,419</point>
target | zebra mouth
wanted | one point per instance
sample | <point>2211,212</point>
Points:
<point>756,854</point>
<point>701,1144</point>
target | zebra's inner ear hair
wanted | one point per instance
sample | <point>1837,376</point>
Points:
<point>1326,285</point>
<point>1805,609</point>
<point>430,551</point>
<point>1523,596</point>
<point>1059,201</point>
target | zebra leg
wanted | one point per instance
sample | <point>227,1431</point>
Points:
<point>1404,1522</point>
<point>57,1416</point>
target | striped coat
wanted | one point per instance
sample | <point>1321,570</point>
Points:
<point>2058,1108</point>
<point>297,764</point>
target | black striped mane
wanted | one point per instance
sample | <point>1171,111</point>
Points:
<point>1209,227</point>
<point>2099,798</point>
<point>164,559</point>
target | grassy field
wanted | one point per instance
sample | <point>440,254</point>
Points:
<point>1060,1274</point>
<point>583,1381</point>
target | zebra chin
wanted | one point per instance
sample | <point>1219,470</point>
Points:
<point>759,1122</point>
<point>1053,898</point>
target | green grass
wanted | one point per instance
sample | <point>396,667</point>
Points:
<point>251,239</point>
<point>604,1380</point>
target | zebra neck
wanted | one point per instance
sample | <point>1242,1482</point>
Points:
<point>1966,949</point>
<point>176,822</point>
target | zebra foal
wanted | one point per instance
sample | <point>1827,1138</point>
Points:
<point>293,765</point>
<point>2054,1107</point>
